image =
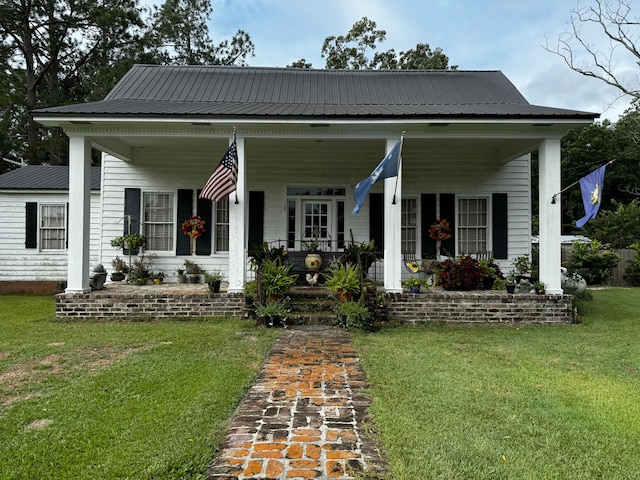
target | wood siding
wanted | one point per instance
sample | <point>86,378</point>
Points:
<point>31,264</point>
<point>274,164</point>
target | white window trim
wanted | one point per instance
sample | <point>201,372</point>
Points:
<point>173,229</point>
<point>488,225</point>
<point>418,227</point>
<point>64,227</point>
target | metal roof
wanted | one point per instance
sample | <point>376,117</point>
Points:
<point>236,91</point>
<point>43,177</point>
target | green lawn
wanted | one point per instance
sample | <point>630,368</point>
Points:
<point>114,400</point>
<point>534,402</point>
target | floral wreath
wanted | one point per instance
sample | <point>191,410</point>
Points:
<point>440,230</point>
<point>194,226</point>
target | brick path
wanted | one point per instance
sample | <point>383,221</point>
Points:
<point>303,417</point>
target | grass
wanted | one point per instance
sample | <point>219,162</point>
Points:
<point>553,402</point>
<point>118,400</point>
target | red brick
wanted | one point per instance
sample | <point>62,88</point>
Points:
<point>294,451</point>
<point>253,468</point>
<point>313,451</point>
<point>274,469</point>
<point>302,473</point>
<point>334,469</point>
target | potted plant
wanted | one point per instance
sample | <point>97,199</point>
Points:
<point>157,277</point>
<point>413,284</point>
<point>277,279</point>
<point>540,287</point>
<point>344,279</point>
<point>119,269</point>
<point>462,274</point>
<point>213,279</point>
<point>313,260</point>
<point>180,275</point>
<point>491,272</point>
<point>249,290</point>
<point>362,254</point>
<point>354,315</point>
<point>130,241</point>
<point>273,313</point>
<point>522,266</point>
<point>193,271</point>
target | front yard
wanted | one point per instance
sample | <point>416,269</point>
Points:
<point>152,400</point>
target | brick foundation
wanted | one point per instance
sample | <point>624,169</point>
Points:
<point>480,306</point>
<point>145,303</point>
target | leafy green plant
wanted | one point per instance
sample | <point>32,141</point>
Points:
<point>344,277</point>
<point>213,276</point>
<point>619,228</point>
<point>249,289</point>
<point>413,282</point>
<point>362,254</point>
<point>130,240</point>
<point>277,279</point>
<point>593,261</point>
<point>522,265</point>
<point>354,315</point>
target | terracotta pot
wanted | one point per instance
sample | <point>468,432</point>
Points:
<point>344,296</point>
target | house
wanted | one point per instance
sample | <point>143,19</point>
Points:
<point>305,138</point>
<point>34,210</point>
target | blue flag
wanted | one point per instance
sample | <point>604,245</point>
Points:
<point>387,168</point>
<point>591,188</point>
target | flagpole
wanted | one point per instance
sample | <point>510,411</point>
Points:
<point>553,199</point>
<point>398,171</point>
<point>234,139</point>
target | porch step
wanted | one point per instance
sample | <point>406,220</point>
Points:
<point>312,306</point>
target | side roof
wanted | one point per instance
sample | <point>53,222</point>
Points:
<point>235,91</point>
<point>43,177</point>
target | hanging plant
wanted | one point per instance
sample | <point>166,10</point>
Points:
<point>440,230</point>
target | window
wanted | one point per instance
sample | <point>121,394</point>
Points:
<point>53,227</point>
<point>221,222</point>
<point>158,221</point>
<point>409,225</point>
<point>472,225</point>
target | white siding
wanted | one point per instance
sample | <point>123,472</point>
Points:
<point>274,164</point>
<point>22,264</point>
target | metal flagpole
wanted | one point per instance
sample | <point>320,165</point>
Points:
<point>553,199</point>
<point>398,171</point>
<point>234,139</point>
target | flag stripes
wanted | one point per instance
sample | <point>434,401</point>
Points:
<point>224,178</point>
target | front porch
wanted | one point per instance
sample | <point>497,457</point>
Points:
<point>129,302</point>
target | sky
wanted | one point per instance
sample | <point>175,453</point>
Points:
<point>504,35</point>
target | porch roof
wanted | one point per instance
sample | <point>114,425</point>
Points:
<point>158,91</point>
<point>43,177</point>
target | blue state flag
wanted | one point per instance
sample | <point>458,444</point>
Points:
<point>591,188</point>
<point>387,168</point>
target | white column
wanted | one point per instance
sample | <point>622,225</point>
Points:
<point>392,229</point>
<point>550,215</point>
<point>237,237</point>
<point>79,215</point>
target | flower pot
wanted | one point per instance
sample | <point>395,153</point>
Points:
<point>214,287</point>
<point>182,278</point>
<point>511,288</point>
<point>344,296</point>
<point>488,282</point>
<point>313,261</point>
<point>157,281</point>
<point>194,278</point>
<point>117,276</point>
<point>414,289</point>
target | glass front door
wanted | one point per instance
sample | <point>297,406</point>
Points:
<point>316,222</point>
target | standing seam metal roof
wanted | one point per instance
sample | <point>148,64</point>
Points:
<point>263,91</point>
<point>43,177</point>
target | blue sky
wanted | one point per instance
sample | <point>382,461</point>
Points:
<point>501,35</point>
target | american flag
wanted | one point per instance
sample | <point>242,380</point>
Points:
<point>223,179</point>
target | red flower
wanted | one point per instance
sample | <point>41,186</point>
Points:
<point>194,227</point>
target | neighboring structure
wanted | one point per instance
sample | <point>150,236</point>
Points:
<point>305,138</point>
<point>34,210</point>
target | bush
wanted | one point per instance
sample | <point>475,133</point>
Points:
<point>593,261</point>
<point>462,274</point>
<point>354,315</point>
<point>619,228</point>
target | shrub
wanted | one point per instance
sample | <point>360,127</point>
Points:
<point>593,261</point>
<point>632,272</point>
<point>462,274</point>
<point>354,315</point>
<point>619,228</point>
<point>276,278</point>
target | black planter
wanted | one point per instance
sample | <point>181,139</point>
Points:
<point>488,282</point>
<point>117,276</point>
<point>511,288</point>
<point>214,287</point>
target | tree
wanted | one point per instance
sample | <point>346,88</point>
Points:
<point>50,46</point>
<point>181,35</point>
<point>615,20</point>
<point>353,51</point>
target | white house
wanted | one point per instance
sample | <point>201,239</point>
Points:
<point>34,206</point>
<point>305,138</point>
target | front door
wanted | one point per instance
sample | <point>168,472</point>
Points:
<point>316,222</point>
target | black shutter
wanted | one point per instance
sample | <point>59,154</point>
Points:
<point>500,227</point>
<point>205,210</point>
<point>448,212</point>
<point>427,217</point>
<point>185,206</point>
<point>131,214</point>
<point>256,220</point>
<point>31,230</point>
<point>376,220</point>
<point>66,239</point>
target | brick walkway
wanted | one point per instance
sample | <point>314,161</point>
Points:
<point>303,417</point>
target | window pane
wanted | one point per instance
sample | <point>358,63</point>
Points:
<point>158,221</point>
<point>472,225</point>
<point>222,226</point>
<point>409,221</point>
<point>53,227</point>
